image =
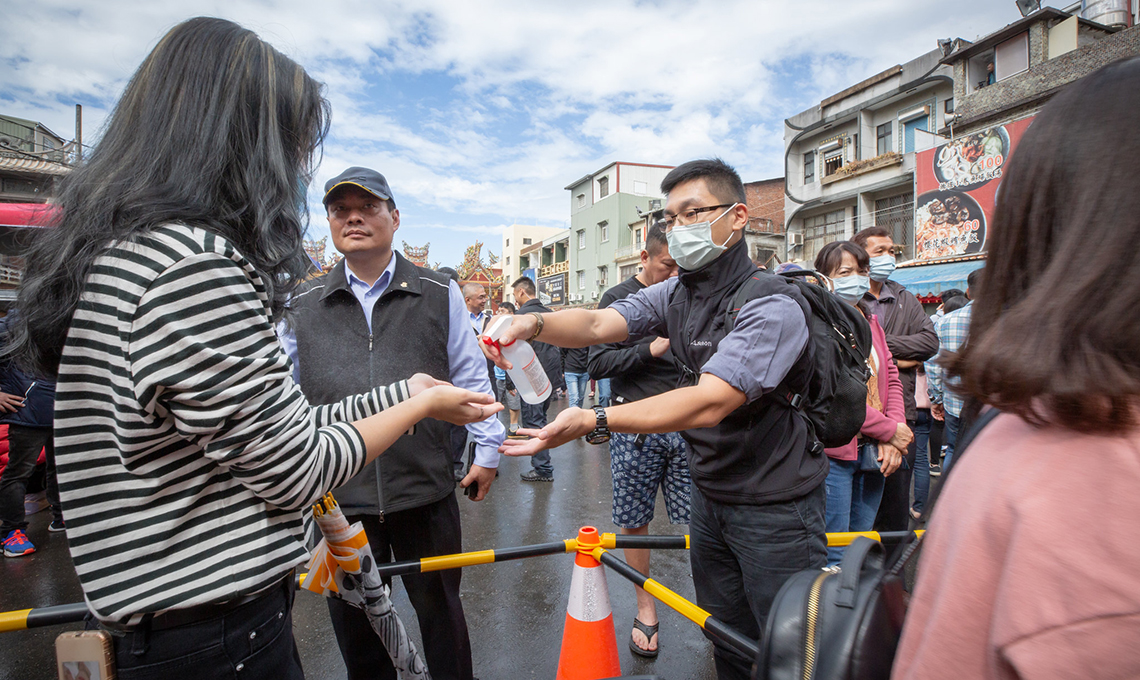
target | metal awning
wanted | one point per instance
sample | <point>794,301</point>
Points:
<point>929,280</point>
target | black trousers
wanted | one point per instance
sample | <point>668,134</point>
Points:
<point>24,444</point>
<point>411,534</point>
<point>894,509</point>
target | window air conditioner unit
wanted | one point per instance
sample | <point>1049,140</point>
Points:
<point>795,238</point>
<point>594,295</point>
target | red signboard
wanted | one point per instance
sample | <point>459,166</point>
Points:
<point>956,185</point>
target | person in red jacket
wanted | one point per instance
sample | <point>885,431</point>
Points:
<point>860,468</point>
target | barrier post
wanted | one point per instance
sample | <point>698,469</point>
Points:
<point>589,641</point>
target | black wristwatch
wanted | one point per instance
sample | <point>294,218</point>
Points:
<point>601,432</point>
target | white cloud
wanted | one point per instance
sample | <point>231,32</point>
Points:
<point>519,98</point>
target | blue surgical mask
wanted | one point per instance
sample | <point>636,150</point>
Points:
<point>851,289</point>
<point>882,267</point>
<point>692,245</point>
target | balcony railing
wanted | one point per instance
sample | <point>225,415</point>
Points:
<point>628,252</point>
<point>556,268</point>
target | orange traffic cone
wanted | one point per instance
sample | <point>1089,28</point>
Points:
<point>589,644</point>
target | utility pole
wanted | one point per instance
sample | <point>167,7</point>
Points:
<point>78,133</point>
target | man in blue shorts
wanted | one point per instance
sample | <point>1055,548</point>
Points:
<point>643,462</point>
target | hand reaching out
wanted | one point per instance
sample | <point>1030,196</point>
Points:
<point>458,406</point>
<point>422,381</point>
<point>658,347</point>
<point>570,424</point>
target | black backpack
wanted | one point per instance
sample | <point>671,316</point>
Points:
<point>836,401</point>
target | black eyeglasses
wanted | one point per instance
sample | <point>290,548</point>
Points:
<point>690,215</point>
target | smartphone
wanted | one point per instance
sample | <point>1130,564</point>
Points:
<point>85,655</point>
<point>472,489</point>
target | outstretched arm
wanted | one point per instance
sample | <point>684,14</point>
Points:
<point>703,405</point>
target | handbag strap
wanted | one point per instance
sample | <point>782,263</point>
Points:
<point>851,568</point>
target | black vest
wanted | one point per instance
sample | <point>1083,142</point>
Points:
<point>759,453</point>
<point>338,357</point>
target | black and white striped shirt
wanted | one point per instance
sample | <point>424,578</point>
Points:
<point>185,451</point>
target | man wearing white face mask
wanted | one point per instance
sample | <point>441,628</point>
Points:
<point>757,495</point>
<point>911,339</point>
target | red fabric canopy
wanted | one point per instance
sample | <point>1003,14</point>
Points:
<point>28,215</point>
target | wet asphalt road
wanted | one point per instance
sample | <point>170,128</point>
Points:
<point>515,610</point>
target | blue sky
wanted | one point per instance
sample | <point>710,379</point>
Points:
<point>479,113</point>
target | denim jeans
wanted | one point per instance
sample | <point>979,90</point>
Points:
<point>742,554</point>
<point>253,641</point>
<point>576,384</point>
<point>921,459</point>
<point>24,445</point>
<point>852,500</point>
<point>603,393</point>
<point>951,438</point>
<point>534,417</point>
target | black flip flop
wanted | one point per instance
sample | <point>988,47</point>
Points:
<point>649,632</point>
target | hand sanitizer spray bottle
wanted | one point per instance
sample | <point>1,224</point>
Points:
<point>526,371</point>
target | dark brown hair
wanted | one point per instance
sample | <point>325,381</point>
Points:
<point>1055,334</point>
<point>860,238</point>
<point>830,256</point>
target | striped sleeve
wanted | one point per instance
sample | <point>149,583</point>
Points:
<point>203,354</point>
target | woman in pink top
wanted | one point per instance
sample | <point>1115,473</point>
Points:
<point>853,493</point>
<point>1030,565</point>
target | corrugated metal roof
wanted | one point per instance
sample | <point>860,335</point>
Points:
<point>931,279</point>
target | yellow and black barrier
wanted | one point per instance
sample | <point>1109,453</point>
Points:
<point>71,613</point>
<point>714,627</point>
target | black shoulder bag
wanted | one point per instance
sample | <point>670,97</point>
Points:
<point>846,625</point>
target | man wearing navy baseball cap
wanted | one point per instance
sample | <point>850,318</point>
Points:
<point>373,316</point>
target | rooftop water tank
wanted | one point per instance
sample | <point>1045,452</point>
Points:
<point>1107,12</point>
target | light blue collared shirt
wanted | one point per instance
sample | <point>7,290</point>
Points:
<point>467,363</point>
<point>477,321</point>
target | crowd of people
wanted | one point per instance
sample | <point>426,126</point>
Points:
<point>206,391</point>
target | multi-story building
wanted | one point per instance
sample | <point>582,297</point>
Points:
<point>765,231</point>
<point>849,162</point>
<point>607,229</point>
<point>32,158</point>
<point>547,263</point>
<point>516,239</point>
<point>1000,83</point>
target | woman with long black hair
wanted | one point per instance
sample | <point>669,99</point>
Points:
<point>1029,570</point>
<point>185,450</point>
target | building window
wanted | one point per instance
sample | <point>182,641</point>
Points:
<point>581,200</point>
<point>508,260</point>
<point>603,187</point>
<point>1011,57</point>
<point>581,239</point>
<point>603,231</point>
<point>581,279</point>
<point>948,105</point>
<point>897,214</point>
<point>884,138</point>
<point>627,271</point>
<point>508,244</point>
<point>603,277</point>
<point>809,167</point>
<point>820,230</point>
<point>832,161</point>
<point>526,242</point>
<point>637,238</point>
<point>640,188</point>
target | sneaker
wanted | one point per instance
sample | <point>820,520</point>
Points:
<point>833,569</point>
<point>936,470</point>
<point>16,544</point>
<point>56,525</point>
<point>513,433</point>
<point>536,476</point>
